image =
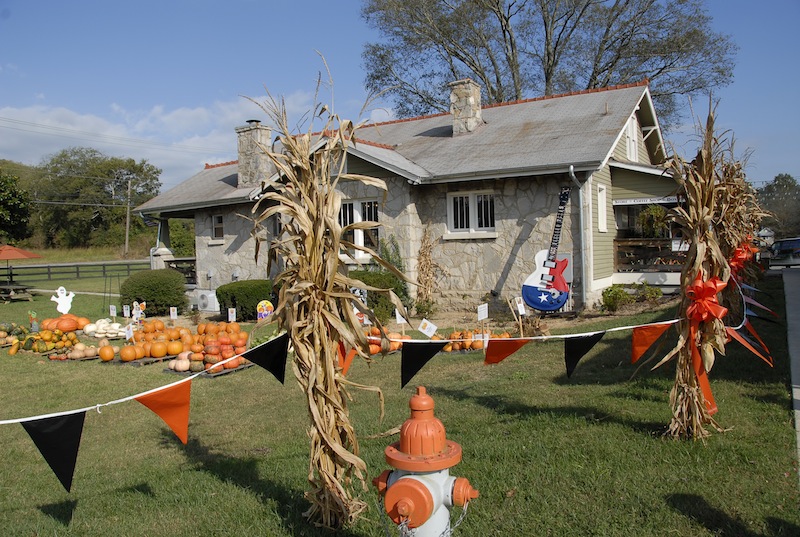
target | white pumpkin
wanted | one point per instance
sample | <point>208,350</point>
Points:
<point>182,365</point>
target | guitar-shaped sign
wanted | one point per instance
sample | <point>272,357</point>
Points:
<point>546,289</point>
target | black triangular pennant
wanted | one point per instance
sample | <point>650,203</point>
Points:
<point>271,355</point>
<point>58,439</point>
<point>414,357</point>
<point>576,347</point>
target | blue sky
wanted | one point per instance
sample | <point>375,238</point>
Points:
<point>165,80</point>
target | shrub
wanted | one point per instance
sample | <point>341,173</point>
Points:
<point>616,296</point>
<point>160,289</point>
<point>244,296</point>
<point>379,303</point>
<point>425,308</point>
<point>647,293</point>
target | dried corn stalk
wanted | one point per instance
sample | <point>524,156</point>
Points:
<point>315,304</point>
<point>719,215</point>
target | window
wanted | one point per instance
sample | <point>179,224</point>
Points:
<point>217,231</point>
<point>632,139</point>
<point>353,211</point>
<point>470,212</point>
<point>602,216</point>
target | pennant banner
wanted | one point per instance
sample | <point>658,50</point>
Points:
<point>58,439</point>
<point>498,350</point>
<point>414,356</point>
<point>271,356</point>
<point>755,303</point>
<point>747,344</point>
<point>171,404</point>
<point>644,337</point>
<point>576,347</point>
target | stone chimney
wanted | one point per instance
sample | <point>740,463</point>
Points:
<point>465,105</point>
<point>254,165</point>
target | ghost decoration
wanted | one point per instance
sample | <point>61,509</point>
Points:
<point>63,300</point>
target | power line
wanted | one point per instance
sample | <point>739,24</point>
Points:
<point>45,202</point>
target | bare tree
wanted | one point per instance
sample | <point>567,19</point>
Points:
<point>525,48</point>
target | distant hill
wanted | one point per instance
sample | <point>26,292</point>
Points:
<point>25,173</point>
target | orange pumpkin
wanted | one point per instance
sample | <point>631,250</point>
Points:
<point>374,349</point>
<point>67,324</point>
<point>197,357</point>
<point>214,368</point>
<point>197,347</point>
<point>212,349</point>
<point>106,353</point>
<point>231,364</point>
<point>158,349</point>
<point>234,327</point>
<point>158,325</point>
<point>201,329</point>
<point>175,347</point>
<point>127,353</point>
<point>139,351</point>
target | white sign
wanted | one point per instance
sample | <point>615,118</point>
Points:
<point>112,310</point>
<point>173,312</point>
<point>399,319</point>
<point>520,305</point>
<point>126,311</point>
<point>647,201</point>
<point>427,328</point>
<point>679,245</point>
<point>360,293</point>
<point>129,332</point>
<point>483,312</point>
<point>231,315</point>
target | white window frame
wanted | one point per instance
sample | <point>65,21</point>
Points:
<point>602,209</point>
<point>470,229</point>
<point>358,234</point>
<point>632,139</point>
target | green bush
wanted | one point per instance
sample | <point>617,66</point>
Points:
<point>616,296</point>
<point>647,293</point>
<point>161,289</point>
<point>244,296</point>
<point>379,303</point>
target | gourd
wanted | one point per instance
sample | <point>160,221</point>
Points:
<point>182,365</point>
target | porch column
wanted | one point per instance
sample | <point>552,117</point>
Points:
<point>161,254</point>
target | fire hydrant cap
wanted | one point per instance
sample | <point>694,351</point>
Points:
<point>409,499</point>
<point>423,445</point>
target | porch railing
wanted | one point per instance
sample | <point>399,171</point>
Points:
<point>648,255</point>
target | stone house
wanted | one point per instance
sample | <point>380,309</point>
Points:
<point>483,182</point>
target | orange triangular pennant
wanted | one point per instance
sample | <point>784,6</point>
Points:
<point>749,326</point>
<point>171,404</point>
<point>498,350</point>
<point>644,337</point>
<point>738,337</point>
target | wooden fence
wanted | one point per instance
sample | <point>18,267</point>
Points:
<point>32,275</point>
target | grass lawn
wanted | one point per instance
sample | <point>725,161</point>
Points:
<point>549,455</point>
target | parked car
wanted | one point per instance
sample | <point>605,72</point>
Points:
<point>785,253</point>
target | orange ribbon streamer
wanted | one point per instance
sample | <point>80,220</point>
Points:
<point>704,307</point>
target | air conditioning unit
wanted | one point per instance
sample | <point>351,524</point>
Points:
<point>207,300</point>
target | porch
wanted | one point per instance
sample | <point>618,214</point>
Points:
<point>656,262</point>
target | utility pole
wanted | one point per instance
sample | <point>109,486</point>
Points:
<point>128,216</point>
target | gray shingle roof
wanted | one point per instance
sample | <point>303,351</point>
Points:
<point>527,137</point>
<point>531,137</point>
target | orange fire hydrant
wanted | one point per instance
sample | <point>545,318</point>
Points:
<point>419,493</point>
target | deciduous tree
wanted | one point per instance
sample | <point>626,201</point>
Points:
<point>781,197</point>
<point>82,196</point>
<point>14,208</point>
<point>525,48</point>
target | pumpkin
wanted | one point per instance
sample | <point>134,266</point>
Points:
<point>212,349</point>
<point>182,365</point>
<point>196,366</point>
<point>197,357</point>
<point>174,347</point>
<point>106,353</point>
<point>231,364</point>
<point>234,327</point>
<point>82,322</point>
<point>477,344</point>
<point>374,349</point>
<point>67,324</point>
<point>139,351</point>
<point>213,368</point>
<point>158,349</point>
<point>197,347</point>
<point>127,353</point>
<point>158,325</point>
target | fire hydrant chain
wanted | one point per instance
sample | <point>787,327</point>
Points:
<point>419,493</point>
